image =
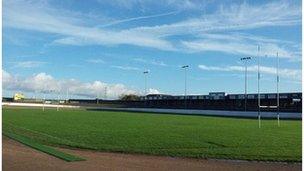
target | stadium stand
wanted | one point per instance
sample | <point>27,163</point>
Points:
<point>289,102</point>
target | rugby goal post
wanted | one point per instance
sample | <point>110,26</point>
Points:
<point>277,106</point>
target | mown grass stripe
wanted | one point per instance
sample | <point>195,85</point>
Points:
<point>43,148</point>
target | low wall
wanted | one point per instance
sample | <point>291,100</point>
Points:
<point>37,105</point>
<point>249,114</point>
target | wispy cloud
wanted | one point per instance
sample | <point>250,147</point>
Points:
<point>159,63</point>
<point>28,64</point>
<point>137,18</point>
<point>245,44</point>
<point>75,66</point>
<point>95,61</point>
<point>127,68</point>
<point>239,46</point>
<point>234,17</point>
<point>145,5</point>
<point>152,62</point>
<point>287,73</point>
<point>30,16</point>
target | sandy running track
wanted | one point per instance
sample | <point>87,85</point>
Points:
<point>17,157</point>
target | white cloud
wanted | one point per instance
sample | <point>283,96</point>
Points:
<point>43,82</point>
<point>283,72</point>
<point>8,80</point>
<point>153,91</point>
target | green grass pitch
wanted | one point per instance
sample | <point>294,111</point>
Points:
<point>158,134</point>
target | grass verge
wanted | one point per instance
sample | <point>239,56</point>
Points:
<point>43,148</point>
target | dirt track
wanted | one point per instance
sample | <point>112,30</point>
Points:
<point>16,156</point>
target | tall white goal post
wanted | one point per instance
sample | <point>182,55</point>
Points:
<point>277,106</point>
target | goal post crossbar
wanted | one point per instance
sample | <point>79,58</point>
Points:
<point>272,107</point>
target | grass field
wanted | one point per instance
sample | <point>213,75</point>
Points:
<point>156,134</point>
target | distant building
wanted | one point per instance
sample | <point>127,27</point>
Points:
<point>155,97</point>
<point>18,96</point>
<point>217,95</point>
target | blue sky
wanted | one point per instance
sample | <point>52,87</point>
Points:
<point>84,46</point>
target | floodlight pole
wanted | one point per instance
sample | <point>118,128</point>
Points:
<point>43,100</point>
<point>185,69</point>
<point>245,59</point>
<point>105,93</point>
<point>145,73</point>
<point>35,95</point>
<point>259,98</point>
<point>58,100</point>
<point>67,95</point>
<point>278,95</point>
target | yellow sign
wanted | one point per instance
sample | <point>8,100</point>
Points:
<point>19,96</point>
